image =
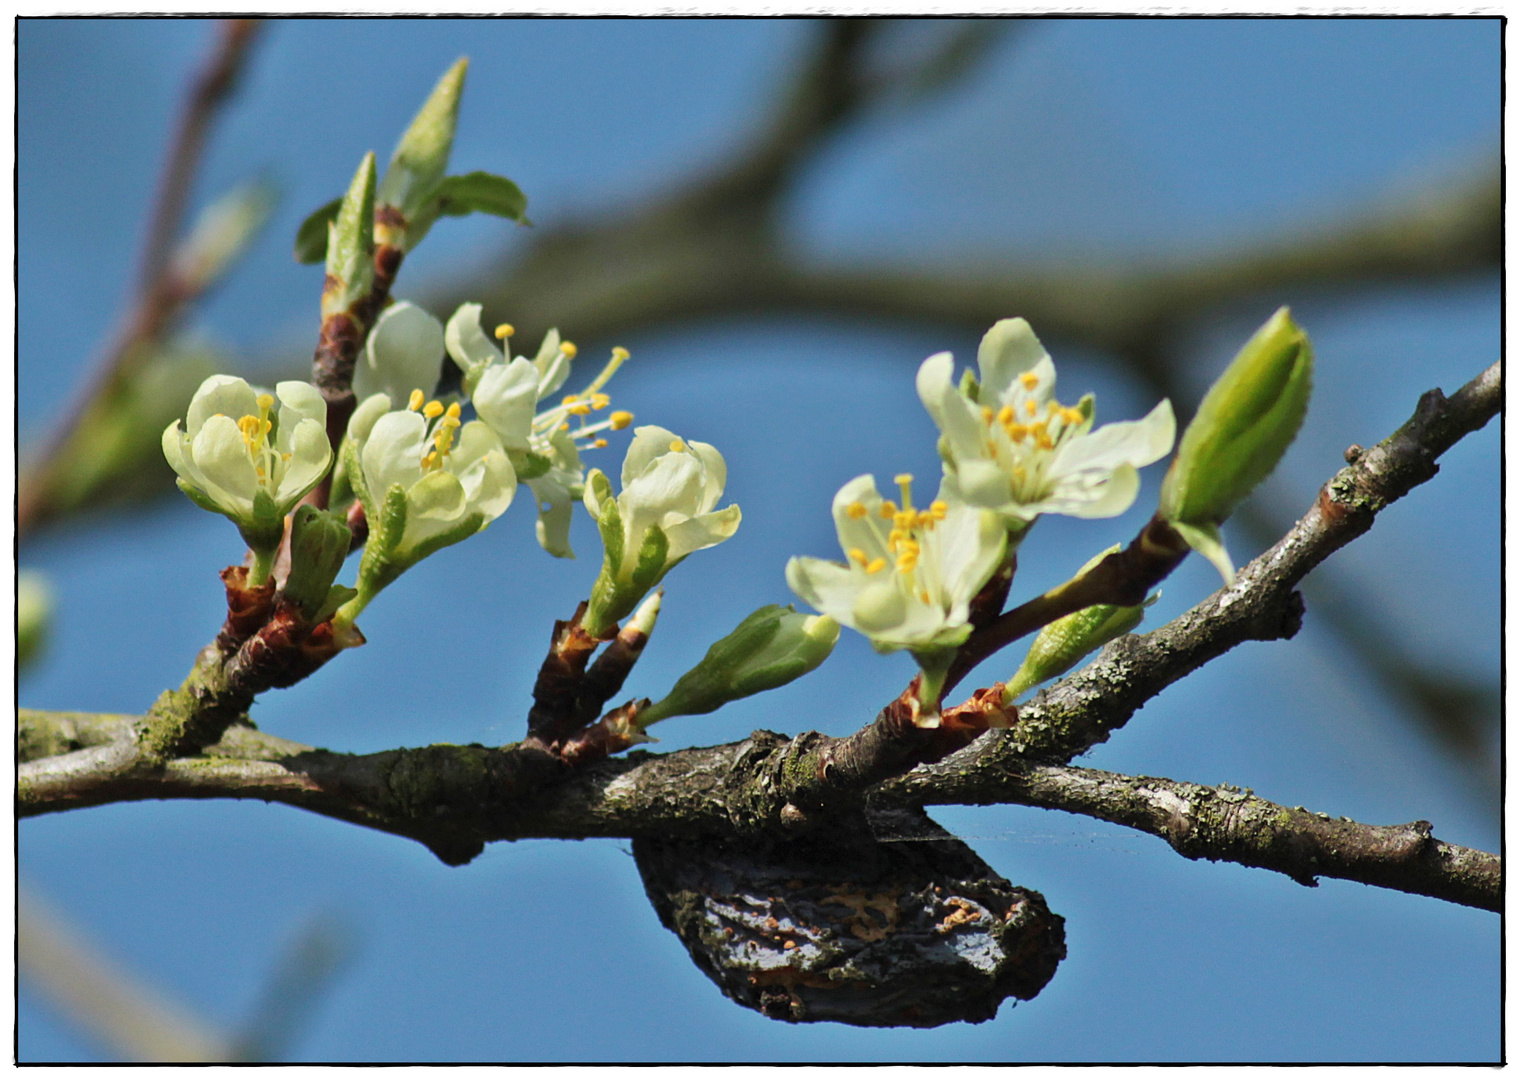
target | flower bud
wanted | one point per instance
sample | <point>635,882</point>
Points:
<point>319,542</point>
<point>422,155</point>
<point>770,648</point>
<point>1243,426</point>
<point>1061,645</point>
<point>351,244</point>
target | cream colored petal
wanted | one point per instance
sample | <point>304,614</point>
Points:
<point>505,397</point>
<point>220,394</point>
<point>715,474</point>
<point>393,452</point>
<point>467,343</point>
<point>649,442</point>
<point>310,455</point>
<point>698,533</point>
<point>404,353</point>
<point>1129,442</point>
<point>221,456</point>
<point>1007,350</point>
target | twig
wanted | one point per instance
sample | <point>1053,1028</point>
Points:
<point>161,293</point>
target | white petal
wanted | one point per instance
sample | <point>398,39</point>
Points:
<point>370,409</point>
<point>310,455</point>
<point>220,394</point>
<point>404,353</point>
<point>1105,499</point>
<point>698,533</point>
<point>1129,442</point>
<point>505,397</point>
<point>467,342</point>
<point>933,379</point>
<point>880,608</point>
<point>1008,350</point>
<point>670,485</point>
<point>555,507</point>
<point>715,474</point>
<point>393,452</point>
<point>298,401</point>
<point>649,442</point>
<point>221,456</point>
<point>982,483</point>
<point>973,544</point>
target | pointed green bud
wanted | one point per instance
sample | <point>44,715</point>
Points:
<point>319,542</point>
<point>1063,644</point>
<point>1243,426</point>
<point>351,244</point>
<point>770,648</point>
<point>422,155</point>
<point>34,616</point>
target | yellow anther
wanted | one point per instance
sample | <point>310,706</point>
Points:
<point>677,445</point>
<point>1053,407</point>
<point>1005,414</point>
<point>430,460</point>
<point>987,414</point>
<point>1073,416</point>
<point>565,426</point>
<point>888,509</point>
<point>1016,432</point>
<point>904,519</point>
<point>858,555</point>
<point>433,410</point>
<point>939,508</point>
<point>1030,380</point>
<point>570,399</point>
<point>504,331</point>
<point>580,409</point>
<point>569,349</point>
<point>415,401</point>
<point>1044,441</point>
<point>904,482</point>
<point>620,420</point>
<point>1031,407</point>
<point>924,596</point>
<point>907,561</point>
<point>876,565</point>
<point>452,412</point>
<point>599,443</point>
<point>856,510</point>
<point>600,401</point>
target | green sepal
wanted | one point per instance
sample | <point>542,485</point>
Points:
<point>970,388</point>
<point>528,465</point>
<point>610,524</point>
<point>1206,540</point>
<point>1087,405</point>
<point>201,499</point>
<point>264,530</point>
<point>651,564</point>
<point>311,237</point>
<point>1063,644</point>
<point>337,596</point>
<point>467,527</point>
<point>353,473</point>
<point>392,521</point>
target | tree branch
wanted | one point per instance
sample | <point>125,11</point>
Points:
<point>454,798</point>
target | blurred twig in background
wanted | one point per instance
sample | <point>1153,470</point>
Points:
<point>137,385</point>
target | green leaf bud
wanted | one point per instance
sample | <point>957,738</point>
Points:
<point>422,155</point>
<point>460,196</point>
<point>319,542</point>
<point>1244,424</point>
<point>311,236</point>
<point>351,244</point>
<point>1063,644</point>
<point>770,648</point>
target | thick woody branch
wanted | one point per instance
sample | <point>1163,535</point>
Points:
<point>456,798</point>
<point>1227,824</point>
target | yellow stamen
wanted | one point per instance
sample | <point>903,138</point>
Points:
<point>1030,407</point>
<point>453,410</point>
<point>580,409</point>
<point>888,509</point>
<point>1030,380</point>
<point>569,349</point>
<point>938,508</point>
<point>599,443</point>
<point>875,565</point>
<point>433,410</point>
<point>987,414</point>
<point>415,401</point>
<point>620,419</point>
<point>570,399</point>
<point>1073,416</point>
<point>1044,441</point>
<point>1016,432</point>
<point>677,445</point>
<point>904,482</point>
<point>1005,415</point>
<point>504,331</point>
<point>856,510</point>
<point>600,401</point>
<point>858,555</point>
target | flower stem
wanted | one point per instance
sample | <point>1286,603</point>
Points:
<point>263,566</point>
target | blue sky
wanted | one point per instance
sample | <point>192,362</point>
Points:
<point>1087,137</point>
